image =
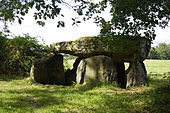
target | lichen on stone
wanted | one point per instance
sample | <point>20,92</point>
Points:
<point>116,46</point>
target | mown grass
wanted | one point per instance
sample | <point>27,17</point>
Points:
<point>158,66</point>
<point>22,96</point>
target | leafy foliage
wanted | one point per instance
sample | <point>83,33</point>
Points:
<point>153,54</point>
<point>11,10</point>
<point>18,53</point>
<point>3,54</point>
<point>162,51</point>
<point>128,17</point>
<point>135,17</point>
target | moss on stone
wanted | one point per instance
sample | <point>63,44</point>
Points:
<point>117,44</point>
<point>119,47</point>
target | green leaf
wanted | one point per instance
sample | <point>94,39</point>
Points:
<point>61,24</point>
<point>78,21</point>
<point>41,23</point>
<point>23,13</point>
<point>19,21</point>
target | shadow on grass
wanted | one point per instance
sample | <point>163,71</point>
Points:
<point>11,77</point>
<point>86,99</point>
<point>157,80</point>
<point>31,99</point>
<point>91,86</point>
<point>160,100</point>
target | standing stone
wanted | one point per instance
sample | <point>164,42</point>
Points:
<point>136,74</point>
<point>144,48</point>
<point>49,70</point>
<point>95,70</point>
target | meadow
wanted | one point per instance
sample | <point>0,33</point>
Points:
<point>158,66</point>
<point>20,95</point>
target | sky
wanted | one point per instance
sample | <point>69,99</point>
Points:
<point>51,34</point>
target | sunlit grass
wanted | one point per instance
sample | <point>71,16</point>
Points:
<point>22,96</point>
<point>19,95</point>
<point>158,66</point>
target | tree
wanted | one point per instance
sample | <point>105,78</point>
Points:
<point>11,10</point>
<point>135,17</point>
<point>18,53</point>
<point>128,17</point>
<point>163,51</point>
<point>3,53</point>
<point>153,54</point>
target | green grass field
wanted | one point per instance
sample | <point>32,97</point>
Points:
<point>158,66</point>
<point>19,95</point>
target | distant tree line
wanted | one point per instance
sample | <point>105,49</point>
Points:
<point>17,54</point>
<point>161,51</point>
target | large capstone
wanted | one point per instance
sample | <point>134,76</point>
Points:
<point>48,70</point>
<point>95,70</point>
<point>120,48</point>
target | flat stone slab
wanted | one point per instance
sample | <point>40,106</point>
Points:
<point>120,48</point>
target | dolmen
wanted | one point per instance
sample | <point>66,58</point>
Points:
<point>100,60</point>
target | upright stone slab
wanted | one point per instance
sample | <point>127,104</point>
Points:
<point>49,70</point>
<point>136,74</point>
<point>96,69</point>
